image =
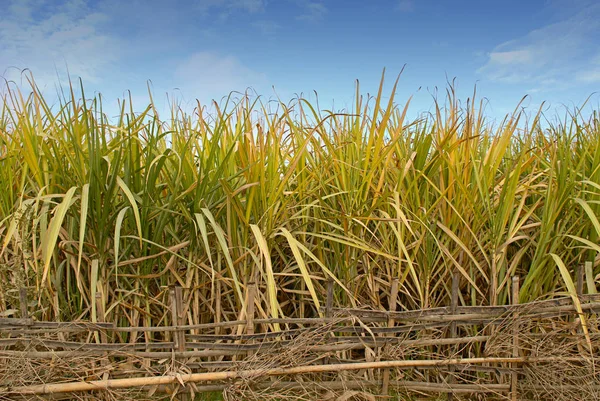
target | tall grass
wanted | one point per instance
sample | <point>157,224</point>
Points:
<point>287,196</point>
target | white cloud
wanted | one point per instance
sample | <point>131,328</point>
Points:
<point>553,55</point>
<point>313,12</point>
<point>48,38</point>
<point>207,76</point>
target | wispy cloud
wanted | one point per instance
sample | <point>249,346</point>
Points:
<point>591,74</point>
<point>206,75</point>
<point>405,5</point>
<point>47,37</point>
<point>512,57</point>
<point>266,27</point>
<point>557,55</point>
<point>313,12</point>
<point>245,5</point>
<point>223,9</point>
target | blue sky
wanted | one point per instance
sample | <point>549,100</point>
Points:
<point>188,49</point>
